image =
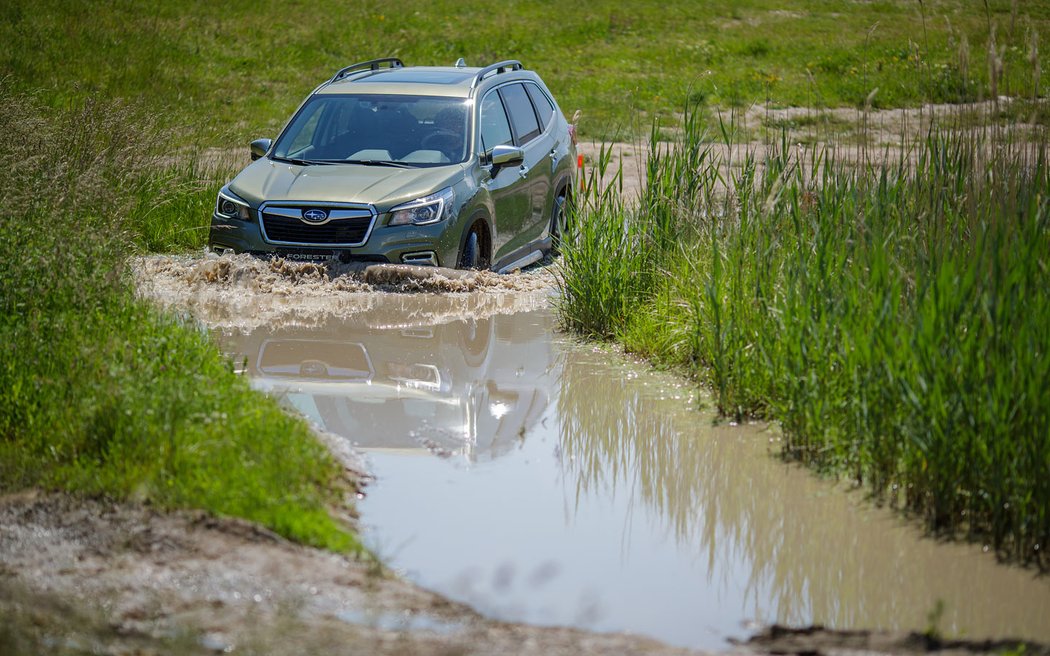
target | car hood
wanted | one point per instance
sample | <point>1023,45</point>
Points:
<point>382,186</point>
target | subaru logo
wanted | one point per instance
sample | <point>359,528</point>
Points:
<point>315,216</point>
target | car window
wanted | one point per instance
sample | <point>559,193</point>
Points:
<point>416,130</point>
<point>522,116</point>
<point>543,104</point>
<point>305,128</point>
<point>495,130</point>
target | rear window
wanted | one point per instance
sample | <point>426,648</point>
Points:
<point>522,116</point>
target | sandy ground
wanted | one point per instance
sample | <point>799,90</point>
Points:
<point>854,135</point>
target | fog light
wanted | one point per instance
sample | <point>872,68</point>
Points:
<point>423,258</point>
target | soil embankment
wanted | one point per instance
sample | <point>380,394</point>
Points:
<point>116,578</point>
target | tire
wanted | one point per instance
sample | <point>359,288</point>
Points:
<point>471,257</point>
<point>557,229</point>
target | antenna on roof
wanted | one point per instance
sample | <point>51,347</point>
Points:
<point>461,63</point>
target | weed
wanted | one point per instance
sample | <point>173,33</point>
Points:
<point>890,309</point>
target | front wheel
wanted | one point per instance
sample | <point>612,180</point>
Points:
<point>473,253</point>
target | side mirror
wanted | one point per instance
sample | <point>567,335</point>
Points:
<point>501,156</point>
<point>259,148</point>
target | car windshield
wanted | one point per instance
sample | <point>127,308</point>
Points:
<point>373,129</point>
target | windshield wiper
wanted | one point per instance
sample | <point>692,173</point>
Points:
<point>300,162</point>
<point>376,162</point>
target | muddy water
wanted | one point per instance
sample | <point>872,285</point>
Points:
<point>544,481</point>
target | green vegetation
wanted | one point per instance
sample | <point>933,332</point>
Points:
<point>890,309</point>
<point>228,72</point>
<point>102,393</point>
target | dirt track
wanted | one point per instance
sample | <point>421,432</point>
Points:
<point>854,135</point>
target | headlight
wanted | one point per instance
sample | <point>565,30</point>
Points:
<point>422,211</point>
<point>229,206</point>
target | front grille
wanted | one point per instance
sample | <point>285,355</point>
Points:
<point>345,227</point>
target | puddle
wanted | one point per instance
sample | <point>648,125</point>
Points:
<point>548,482</point>
<point>545,481</point>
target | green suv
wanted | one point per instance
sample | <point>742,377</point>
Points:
<point>445,166</point>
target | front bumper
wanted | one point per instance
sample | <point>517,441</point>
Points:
<point>436,244</point>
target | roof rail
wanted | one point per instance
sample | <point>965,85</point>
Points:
<point>496,69</point>
<point>371,64</point>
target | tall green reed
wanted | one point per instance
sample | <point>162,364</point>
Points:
<point>889,308</point>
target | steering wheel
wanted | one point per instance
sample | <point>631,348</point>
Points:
<point>438,137</point>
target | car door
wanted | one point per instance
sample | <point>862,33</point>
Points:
<point>509,193</point>
<point>535,172</point>
<point>554,148</point>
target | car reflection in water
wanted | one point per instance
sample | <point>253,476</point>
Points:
<point>469,388</point>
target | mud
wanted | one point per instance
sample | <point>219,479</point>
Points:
<point>563,484</point>
<point>241,292</point>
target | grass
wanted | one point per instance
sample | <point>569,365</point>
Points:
<point>230,72</point>
<point>889,309</point>
<point>103,394</point>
